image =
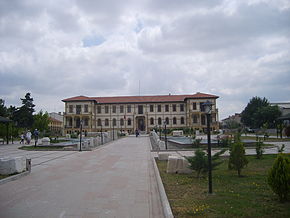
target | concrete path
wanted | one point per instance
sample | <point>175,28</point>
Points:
<point>116,180</point>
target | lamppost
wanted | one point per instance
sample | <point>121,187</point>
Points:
<point>113,131</point>
<point>81,129</point>
<point>102,134</point>
<point>160,132</point>
<point>165,134</point>
<point>208,109</point>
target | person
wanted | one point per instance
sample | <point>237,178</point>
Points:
<point>137,132</point>
<point>28,137</point>
<point>36,133</point>
<point>22,138</point>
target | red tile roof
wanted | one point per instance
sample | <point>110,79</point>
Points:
<point>137,99</point>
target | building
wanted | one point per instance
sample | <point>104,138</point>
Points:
<point>56,123</point>
<point>233,119</point>
<point>283,106</point>
<point>127,113</point>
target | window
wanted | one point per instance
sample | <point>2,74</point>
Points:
<point>174,120</point>
<point>202,119</point>
<point>129,122</point>
<point>86,121</point>
<point>106,122</point>
<point>122,122</point>
<point>159,121</point>
<point>99,123</point>
<point>182,120</point>
<point>202,107</point>
<point>114,109</point>
<point>167,120</point>
<point>106,109</point>
<point>151,121</point>
<point>159,108</point>
<point>140,109</point>
<point>166,108</point>
<point>121,109</point>
<point>194,118</point>
<point>181,107</point>
<point>78,109</point>
<point>174,107</point>
<point>129,108</point>
<point>70,109</point>
<point>99,109</point>
<point>151,108</point>
<point>86,110</point>
<point>114,122</point>
<point>194,106</point>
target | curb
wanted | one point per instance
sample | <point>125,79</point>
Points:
<point>15,177</point>
<point>164,200</point>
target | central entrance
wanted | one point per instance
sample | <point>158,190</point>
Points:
<point>140,123</point>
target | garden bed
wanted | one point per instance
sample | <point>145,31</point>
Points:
<point>247,196</point>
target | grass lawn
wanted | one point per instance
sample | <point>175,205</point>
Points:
<point>248,196</point>
<point>41,148</point>
<point>268,139</point>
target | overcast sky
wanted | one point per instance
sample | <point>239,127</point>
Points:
<point>57,49</point>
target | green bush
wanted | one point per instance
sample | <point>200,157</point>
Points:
<point>199,162</point>
<point>279,177</point>
<point>259,149</point>
<point>237,160</point>
<point>196,143</point>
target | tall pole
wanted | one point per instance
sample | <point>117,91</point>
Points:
<point>81,126</point>
<point>160,132</point>
<point>209,155</point>
<point>113,133</point>
<point>102,134</point>
<point>165,137</point>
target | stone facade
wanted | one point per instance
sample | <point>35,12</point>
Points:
<point>127,113</point>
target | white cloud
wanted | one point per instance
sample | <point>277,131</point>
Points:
<point>235,49</point>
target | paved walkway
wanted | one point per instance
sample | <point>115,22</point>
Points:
<point>116,180</point>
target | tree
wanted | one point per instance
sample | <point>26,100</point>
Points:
<point>3,109</point>
<point>199,162</point>
<point>237,160</point>
<point>279,177</point>
<point>259,149</point>
<point>41,121</point>
<point>24,114</point>
<point>259,111</point>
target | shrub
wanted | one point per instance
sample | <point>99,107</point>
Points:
<point>259,149</point>
<point>279,177</point>
<point>281,149</point>
<point>237,160</point>
<point>196,143</point>
<point>199,162</point>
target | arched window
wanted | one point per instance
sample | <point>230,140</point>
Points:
<point>129,122</point>
<point>106,122</point>
<point>151,121</point>
<point>167,120</point>
<point>194,118</point>
<point>99,123</point>
<point>182,120</point>
<point>174,120</point>
<point>114,122</point>
<point>122,122</point>
<point>159,121</point>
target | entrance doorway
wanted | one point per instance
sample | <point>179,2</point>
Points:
<point>141,123</point>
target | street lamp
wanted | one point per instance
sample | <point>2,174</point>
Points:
<point>160,132</point>
<point>165,134</point>
<point>102,133</point>
<point>208,109</point>
<point>113,131</point>
<point>81,129</point>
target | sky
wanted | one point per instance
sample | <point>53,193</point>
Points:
<point>56,49</point>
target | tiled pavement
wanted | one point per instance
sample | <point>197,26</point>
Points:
<point>116,180</point>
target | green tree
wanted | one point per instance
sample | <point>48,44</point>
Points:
<point>3,109</point>
<point>41,121</point>
<point>258,111</point>
<point>279,177</point>
<point>259,149</point>
<point>24,114</point>
<point>237,160</point>
<point>199,162</point>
